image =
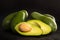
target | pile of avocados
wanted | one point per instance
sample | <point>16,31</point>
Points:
<point>39,24</point>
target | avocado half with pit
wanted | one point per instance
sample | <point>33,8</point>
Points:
<point>28,29</point>
<point>33,28</point>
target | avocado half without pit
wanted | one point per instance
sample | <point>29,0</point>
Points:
<point>46,29</point>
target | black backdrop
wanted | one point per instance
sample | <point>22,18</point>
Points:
<point>44,6</point>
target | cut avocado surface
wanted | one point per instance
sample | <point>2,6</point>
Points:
<point>46,29</point>
<point>34,31</point>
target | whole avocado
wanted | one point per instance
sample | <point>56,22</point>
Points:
<point>20,17</point>
<point>45,19</point>
<point>7,20</point>
<point>48,15</point>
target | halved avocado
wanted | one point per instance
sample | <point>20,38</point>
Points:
<point>35,30</point>
<point>46,29</point>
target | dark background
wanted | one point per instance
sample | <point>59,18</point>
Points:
<point>44,6</point>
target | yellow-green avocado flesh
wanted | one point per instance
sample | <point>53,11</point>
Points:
<point>46,29</point>
<point>35,31</point>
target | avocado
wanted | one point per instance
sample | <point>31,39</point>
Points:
<point>49,21</point>
<point>19,17</point>
<point>26,13</point>
<point>7,20</point>
<point>35,30</point>
<point>46,29</point>
<point>48,15</point>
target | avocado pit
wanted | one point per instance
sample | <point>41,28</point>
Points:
<point>25,27</point>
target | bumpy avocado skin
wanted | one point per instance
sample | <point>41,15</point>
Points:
<point>7,21</point>
<point>45,19</point>
<point>46,29</point>
<point>20,17</point>
<point>48,15</point>
<point>35,31</point>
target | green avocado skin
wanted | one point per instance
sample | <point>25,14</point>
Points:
<point>7,20</point>
<point>20,17</point>
<point>45,19</point>
<point>48,15</point>
<point>26,13</point>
